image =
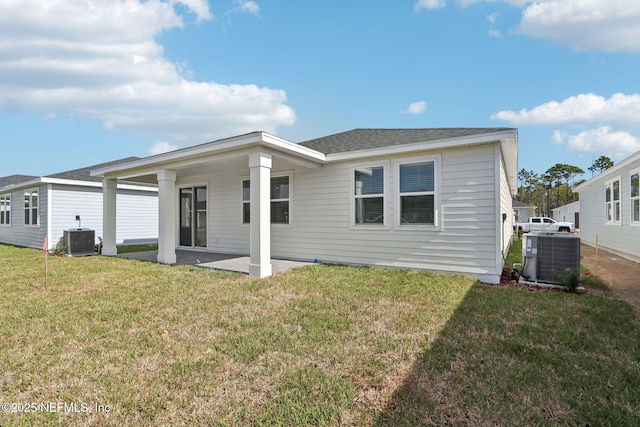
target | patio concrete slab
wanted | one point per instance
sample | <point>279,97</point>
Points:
<point>241,265</point>
<point>216,261</point>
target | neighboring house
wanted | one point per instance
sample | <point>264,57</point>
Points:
<point>433,199</point>
<point>523,211</point>
<point>568,213</point>
<point>610,209</point>
<point>33,207</point>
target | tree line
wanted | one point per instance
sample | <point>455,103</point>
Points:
<point>553,188</point>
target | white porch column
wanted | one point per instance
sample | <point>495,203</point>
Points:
<point>260,240</point>
<point>167,216</point>
<point>109,195</point>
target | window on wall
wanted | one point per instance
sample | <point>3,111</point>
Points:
<point>368,193</point>
<point>5,209</point>
<point>612,202</point>
<point>279,190</point>
<point>417,193</point>
<point>31,207</point>
<point>635,197</point>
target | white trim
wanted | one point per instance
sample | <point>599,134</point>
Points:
<point>194,186</point>
<point>632,199</point>
<point>194,154</point>
<point>604,174</point>
<point>613,220</point>
<point>5,196</point>
<point>424,146</point>
<point>386,202</point>
<point>50,215</point>
<point>437,193</point>
<point>74,182</point>
<point>31,190</point>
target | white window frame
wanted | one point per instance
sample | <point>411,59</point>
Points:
<point>4,198</point>
<point>610,206</point>
<point>30,193</point>
<point>288,174</point>
<point>437,194</point>
<point>385,196</point>
<point>204,185</point>
<point>632,199</point>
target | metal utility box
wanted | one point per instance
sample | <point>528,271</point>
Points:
<point>545,256</point>
<point>80,241</point>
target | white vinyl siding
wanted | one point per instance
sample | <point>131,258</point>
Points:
<point>623,239</point>
<point>324,227</point>
<point>18,233</point>
<point>506,211</point>
<point>136,220</point>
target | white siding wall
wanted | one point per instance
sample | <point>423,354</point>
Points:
<point>321,229</point>
<point>506,208</point>
<point>17,233</point>
<point>137,213</point>
<point>623,239</point>
<point>567,213</point>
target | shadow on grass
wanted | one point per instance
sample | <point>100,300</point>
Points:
<point>514,357</point>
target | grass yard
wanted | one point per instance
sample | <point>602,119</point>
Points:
<point>128,343</point>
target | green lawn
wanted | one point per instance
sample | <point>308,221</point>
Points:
<point>131,343</point>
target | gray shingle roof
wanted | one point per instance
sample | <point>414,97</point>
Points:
<point>363,139</point>
<point>84,174</point>
<point>6,181</point>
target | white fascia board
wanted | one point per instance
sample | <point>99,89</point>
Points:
<point>78,183</point>
<point>179,155</point>
<point>424,146</point>
<point>607,173</point>
<point>209,152</point>
<point>292,148</point>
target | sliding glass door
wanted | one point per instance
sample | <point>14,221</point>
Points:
<point>193,216</point>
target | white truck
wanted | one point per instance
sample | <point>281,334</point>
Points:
<point>543,223</point>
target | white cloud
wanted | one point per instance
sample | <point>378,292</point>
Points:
<point>620,109</point>
<point>603,25</point>
<point>418,107</point>
<point>493,19</point>
<point>429,4</point>
<point>161,147</point>
<point>585,24</point>
<point>603,140</point>
<point>100,60</point>
<point>609,122</point>
<point>250,7</point>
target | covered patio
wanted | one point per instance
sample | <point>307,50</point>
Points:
<point>195,210</point>
<point>216,261</point>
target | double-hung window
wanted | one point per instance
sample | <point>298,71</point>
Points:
<point>5,209</point>
<point>279,190</point>
<point>612,201</point>
<point>634,182</point>
<point>31,207</point>
<point>368,195</point>
<point>417,193</point>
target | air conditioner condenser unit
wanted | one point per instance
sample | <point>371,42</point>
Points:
<point>547,256</point>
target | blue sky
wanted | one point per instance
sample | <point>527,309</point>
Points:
<point>85,82</point>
